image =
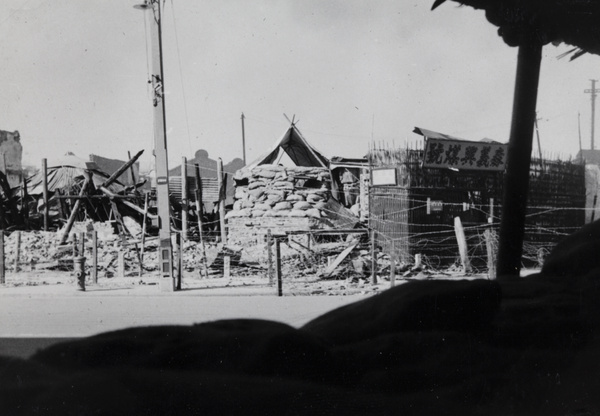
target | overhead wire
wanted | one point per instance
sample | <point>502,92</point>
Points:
<point>185,107</point>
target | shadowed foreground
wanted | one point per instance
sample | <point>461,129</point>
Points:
<point>525,347</point>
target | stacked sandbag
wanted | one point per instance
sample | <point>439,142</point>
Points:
<point>278,191</point>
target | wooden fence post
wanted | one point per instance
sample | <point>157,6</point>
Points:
<point>121,263</point>
<point>278,267</point>
<point>373,259</point>
<point>95,257</point>
<point>81,250</point>
<point>269,256</point>
<point>462,245</point>
<point>491,253</point>
<point>18,251</point>
<point>393,265</point>
<point>143,243</point>
<point>178,248</point>
<point>221,185</point>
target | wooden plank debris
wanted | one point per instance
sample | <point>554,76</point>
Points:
<point>340,258</point>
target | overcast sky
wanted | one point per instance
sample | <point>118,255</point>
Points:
<point>74,77</point>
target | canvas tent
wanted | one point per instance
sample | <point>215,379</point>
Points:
<point>296,147</point>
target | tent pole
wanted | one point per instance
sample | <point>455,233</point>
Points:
<point>516,179</point>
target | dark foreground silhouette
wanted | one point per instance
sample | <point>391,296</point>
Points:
<point>526,347</point>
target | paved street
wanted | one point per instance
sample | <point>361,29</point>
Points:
<point>33,317</point>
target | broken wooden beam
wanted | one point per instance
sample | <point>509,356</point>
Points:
<point>339,259</point>
<point>75,210</point>
<point>122,169</point>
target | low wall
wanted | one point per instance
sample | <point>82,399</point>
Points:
<point>252,230</point>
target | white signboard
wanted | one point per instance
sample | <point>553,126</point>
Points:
<point>384,176</point>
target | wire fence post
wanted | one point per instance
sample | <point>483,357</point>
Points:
<point>81,250</point>
<point>393,265</point>
<point>278,267</point>
<point>270,256</point>
<point>95,257</point>
<point>462,245</point>
<point>373,259</point>
<point>179,245</point>
<point>18,251</point>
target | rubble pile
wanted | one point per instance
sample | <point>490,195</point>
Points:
<point>41,249</point>
<point>278,191</point>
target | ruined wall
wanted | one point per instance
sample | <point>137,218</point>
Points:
<point>11,155</point>
<point>245,231</point>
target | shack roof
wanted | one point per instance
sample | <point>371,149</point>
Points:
<point>442,136</point>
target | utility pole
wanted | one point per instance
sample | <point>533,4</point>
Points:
<point>593,91</point>
<point>243,139</point>
<point>167,280</point>
<point>537,133</point>
<point>579,129</point>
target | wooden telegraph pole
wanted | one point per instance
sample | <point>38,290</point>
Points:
<point>594,93</point>
<point>244,139</point>
<point>167,281</point>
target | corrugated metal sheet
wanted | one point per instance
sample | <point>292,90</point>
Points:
<point>210,189</point>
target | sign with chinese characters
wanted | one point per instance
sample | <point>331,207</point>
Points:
<point>462,154</point>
